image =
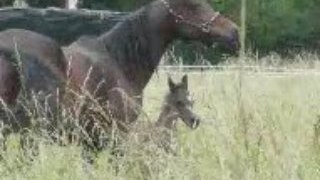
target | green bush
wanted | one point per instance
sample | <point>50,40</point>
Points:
<point>277,25</point>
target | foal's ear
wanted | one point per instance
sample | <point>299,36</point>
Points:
<point>185,81</point>
<point>171,84</point>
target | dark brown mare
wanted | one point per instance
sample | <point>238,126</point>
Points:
<point>116,66</point>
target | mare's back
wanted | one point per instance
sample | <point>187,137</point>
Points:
<point>88,56</point>
<point>89,46</point>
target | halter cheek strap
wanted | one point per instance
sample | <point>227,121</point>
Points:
<point>205,27</point>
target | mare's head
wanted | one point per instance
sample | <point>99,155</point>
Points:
<point>178,104</point>
<point>196,20</point>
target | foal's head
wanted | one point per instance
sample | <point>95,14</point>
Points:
<point>196,20</point>
<point>178,104</point>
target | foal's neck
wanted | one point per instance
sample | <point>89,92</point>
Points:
<point>138,43</point>
<point>167,119</point>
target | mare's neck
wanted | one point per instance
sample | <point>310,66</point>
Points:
<point>138,43</point>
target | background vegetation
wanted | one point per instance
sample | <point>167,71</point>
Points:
<point>282,26</point>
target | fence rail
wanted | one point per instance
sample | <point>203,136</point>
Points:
<point>229,69</point>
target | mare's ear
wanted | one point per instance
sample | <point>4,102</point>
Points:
<point>171,84</point>
<point>185,81</point>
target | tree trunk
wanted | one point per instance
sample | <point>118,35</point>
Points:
<point>63,25</point>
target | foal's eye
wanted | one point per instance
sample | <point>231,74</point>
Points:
<point>179,103</point>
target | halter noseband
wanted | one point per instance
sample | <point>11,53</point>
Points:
<point>179,18</point>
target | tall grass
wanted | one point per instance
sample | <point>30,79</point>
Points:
<point>272,132</point>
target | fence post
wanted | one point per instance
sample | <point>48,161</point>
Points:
<point>243,28</point>
<point>72,4</point>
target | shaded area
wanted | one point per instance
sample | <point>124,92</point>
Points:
<point>64,26</point>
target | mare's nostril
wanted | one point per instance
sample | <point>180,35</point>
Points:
<point>234,41</point>
<point>235,36</point>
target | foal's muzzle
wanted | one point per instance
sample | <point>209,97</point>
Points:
<point>195,123</point>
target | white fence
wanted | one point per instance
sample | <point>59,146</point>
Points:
<point>225,69</point>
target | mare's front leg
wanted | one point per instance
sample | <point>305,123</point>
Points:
<point>9,90</point>
<point>9,81</point>
<point>124,107</point>
<point>10,86</point>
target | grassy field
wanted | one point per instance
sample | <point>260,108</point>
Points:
<point>255,126</point>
